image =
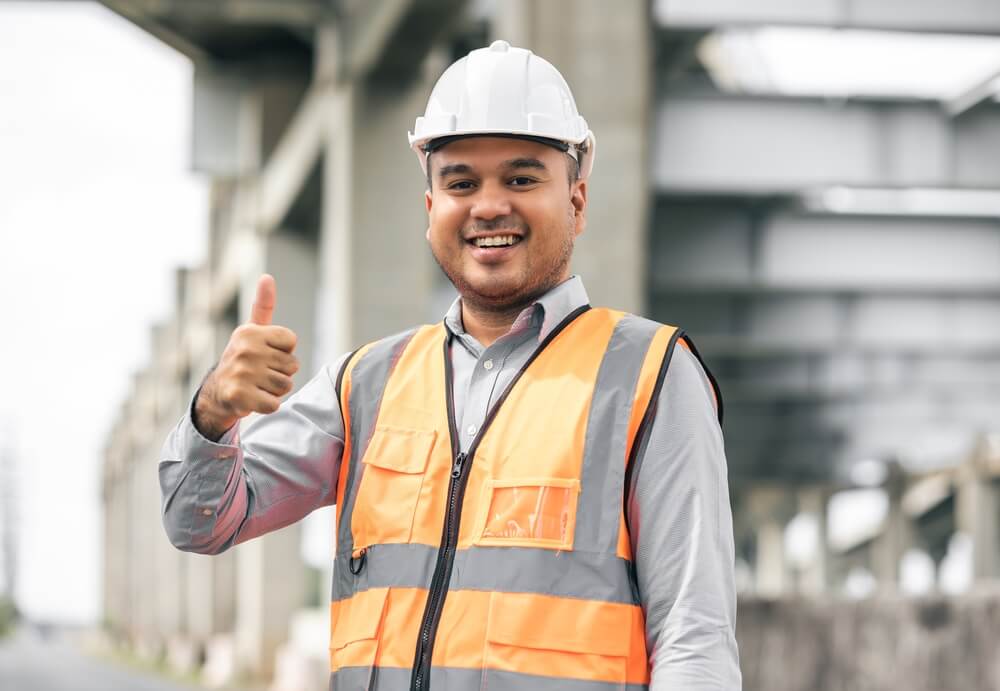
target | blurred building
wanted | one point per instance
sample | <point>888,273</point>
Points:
<point>809,188</point>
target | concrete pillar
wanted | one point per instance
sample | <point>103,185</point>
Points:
<point>116,547</point>
<point>897,534</point>
<point>168,563</point>
<point>606,58</point>
<point>815,579</point>
<point>978,512</point>
<point>772,571</point>
<point>376,270</point>
<point>770,509</point>
<point>144,523</point>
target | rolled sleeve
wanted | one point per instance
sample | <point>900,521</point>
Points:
<point>264,473</point>
<point>682,538</point>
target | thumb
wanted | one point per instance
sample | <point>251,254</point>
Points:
<point>263,305</point>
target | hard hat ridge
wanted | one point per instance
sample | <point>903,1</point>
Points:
<point>505,91</point>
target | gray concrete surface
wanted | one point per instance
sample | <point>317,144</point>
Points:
<point>30,661</point>
<point>887,643</point>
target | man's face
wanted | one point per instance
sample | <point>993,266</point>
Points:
<point>489,191</point>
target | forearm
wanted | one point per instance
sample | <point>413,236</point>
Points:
<point>273,472</point>
<point>203,489</point>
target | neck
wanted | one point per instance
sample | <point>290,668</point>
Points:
<point>486,326</point>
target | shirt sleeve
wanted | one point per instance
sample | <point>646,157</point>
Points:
<point>682,538</point>
<point>265,472</point>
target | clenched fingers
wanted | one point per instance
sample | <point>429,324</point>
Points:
<point>275,383</point>
<point>266,403</point>
<point>283,362</point>
<point>281,338</point>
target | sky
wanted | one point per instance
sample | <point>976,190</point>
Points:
<point>98,205</point>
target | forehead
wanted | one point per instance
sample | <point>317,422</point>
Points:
<point>483,153</point>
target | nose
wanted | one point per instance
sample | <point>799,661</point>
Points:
<point>490,202</point>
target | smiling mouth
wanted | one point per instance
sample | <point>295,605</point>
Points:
<point>495,241</point>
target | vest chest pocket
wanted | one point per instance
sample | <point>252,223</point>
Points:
<point>528,512</point>
<point>561,637</point>
<point>392,474</point>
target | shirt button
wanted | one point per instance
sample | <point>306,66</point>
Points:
<point>472,430</point>
<point>488,364</point>
<point>206,512</point>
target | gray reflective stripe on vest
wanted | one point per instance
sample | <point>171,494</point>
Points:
<point>582,575</point>
<point>643,442</point>
<point>460,679</point>
<point>368,380</point>
<point>602,477</point>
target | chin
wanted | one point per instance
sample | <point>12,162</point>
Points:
<point>495,293</point>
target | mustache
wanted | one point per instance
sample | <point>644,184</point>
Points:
<point>498,224</point>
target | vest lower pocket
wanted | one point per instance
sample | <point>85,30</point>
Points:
<point>558,637</point>
<point>355,627</point>
<point>392,475</point>
<point>523,512</point>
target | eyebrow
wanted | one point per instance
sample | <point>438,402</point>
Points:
<point>524,163</point>
<point>453,168</point>
<point>456,168</point>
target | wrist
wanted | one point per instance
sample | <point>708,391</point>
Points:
<point>207,417</point>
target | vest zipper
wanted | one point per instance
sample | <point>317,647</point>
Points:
<point>420,678</point>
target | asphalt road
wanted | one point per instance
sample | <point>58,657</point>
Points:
<point>31,662</point>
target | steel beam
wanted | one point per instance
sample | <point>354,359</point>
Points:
<point>293,13</point>
<point>957,16</point>
<point>297,152</point>
<point>726,250</point>
<point>706,141</point>
<point>133,12</point>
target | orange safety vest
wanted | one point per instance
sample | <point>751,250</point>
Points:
<point>508,567</point>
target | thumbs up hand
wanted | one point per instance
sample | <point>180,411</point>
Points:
<point>254,372</point>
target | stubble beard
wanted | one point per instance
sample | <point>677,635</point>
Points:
<point>511,303</point>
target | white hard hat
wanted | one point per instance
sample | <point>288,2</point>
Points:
<point>506,91</point>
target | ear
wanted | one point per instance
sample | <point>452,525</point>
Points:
<point>578,198</point>
<point>428,200</point>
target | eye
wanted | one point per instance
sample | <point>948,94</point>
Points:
<point>522,180</point>
<point>461,185</point>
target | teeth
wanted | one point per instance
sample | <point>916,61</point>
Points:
<point>495,241</point>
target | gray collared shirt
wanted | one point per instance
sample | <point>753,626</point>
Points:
<point>273,470</point>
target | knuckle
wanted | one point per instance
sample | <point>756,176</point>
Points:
<point>243,333</point>
<point>285,337</point>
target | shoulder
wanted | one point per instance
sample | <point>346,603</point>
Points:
<point>684,374</point>
<point>687,377</point>
<point>381,354</point>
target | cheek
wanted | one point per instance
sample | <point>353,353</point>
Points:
<point>445,218</point>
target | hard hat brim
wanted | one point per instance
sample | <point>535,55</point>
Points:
<point>584,150</point>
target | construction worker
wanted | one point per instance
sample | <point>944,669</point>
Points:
<point>531,494</point>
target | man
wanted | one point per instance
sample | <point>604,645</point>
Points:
<point>531,495</point>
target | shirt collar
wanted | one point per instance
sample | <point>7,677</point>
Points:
<point>551,308</point>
